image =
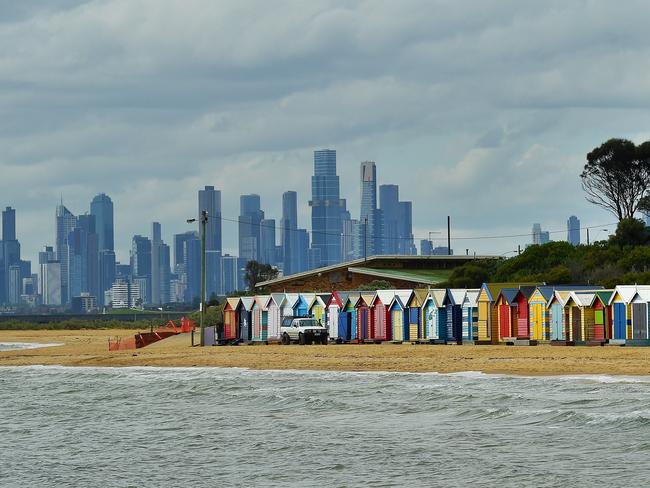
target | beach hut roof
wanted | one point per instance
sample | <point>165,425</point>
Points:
<point>402,297</point>
<point>642,295</point>
<point>292,298</point>
<point>247,303</point>
<point>386,296</point>
<point>438,296</point>
<point>471,297</point>
<point>262,300</point>
<point>352,298</point>
<point>604,295</point>
<point>337,298</point>
<point>456,295</point>
<point>317,300</point>
<point>419,297</point>
<point>325,297</point>
<point>233,302</point>
<point>582,299</point>
<point>508,294</point>
<point>308,297</point>
<point>493,289</point>
<point>279,298</point>
<point>559,296</point>
<point>626,292</point>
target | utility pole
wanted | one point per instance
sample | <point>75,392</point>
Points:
<point>587,235</point>
<point>448,235</point>
<point>204,221</point>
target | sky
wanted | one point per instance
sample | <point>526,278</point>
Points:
<point>480,110</point>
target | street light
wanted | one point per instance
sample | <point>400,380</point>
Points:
<point>203,220</point>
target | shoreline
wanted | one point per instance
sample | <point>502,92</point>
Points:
<point>90,348</point>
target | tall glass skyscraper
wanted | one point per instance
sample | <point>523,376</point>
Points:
<point>102,208</point>
<point>573,230</point>
<point>326,208</point>
<point>289,233</point>
<point>9,224</point>
<point>65,223</point>
<point>210,200</point>
<point>250,217</point>
<point>370,221</point>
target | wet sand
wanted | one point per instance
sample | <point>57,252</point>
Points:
<point>90,348</point>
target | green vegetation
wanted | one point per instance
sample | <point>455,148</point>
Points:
<point>75,324</point>
<point>624,259</point>
<point>377,285</point>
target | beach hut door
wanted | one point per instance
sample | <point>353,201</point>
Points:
<point>639,321</point>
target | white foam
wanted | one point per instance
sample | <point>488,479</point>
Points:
<point>18,346</point>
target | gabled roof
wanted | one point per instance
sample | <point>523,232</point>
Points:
<point>419,297</point>
<point>402,297</point>
<point>558,296</point>
<point>548,290</point>
<point>368,297</point>
<point>247,303</point>
<point>471,297</point>
<point>508,294</point>
<point>291,298</point>
<point>337,298</point>
<point>582,299</point>
<point>493,289</point>
<point>261,300</point>
<point>385,296</point>
<point>325,297</point>
<point>605,295</point>
<point>307,298</point>
<point>352,298</point>
<point>438,296</point>
<point>455,296</point>
<point>233,302</point>
<point>279,298</point>
<point>626,292</point>
<point>317,300</point>
<point>642,295</point>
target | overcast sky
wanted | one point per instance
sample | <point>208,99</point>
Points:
<point>479,110</point>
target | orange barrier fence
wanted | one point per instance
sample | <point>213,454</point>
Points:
<point>143,339</point>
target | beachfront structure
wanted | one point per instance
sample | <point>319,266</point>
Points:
<point>580,314</point>
<point>244,313</point>
<point>506,309</point>
<point>602,316</point>
<point>398,319</point>
<point>488,313</point>
<point>558,316</point>
<point>639,308</point>
<point>334,308</point>
<point>287,307</point>
<point>364,317</point>
<point>417,306</point>
<point>259,318</point>
<point>301,307</point>
<point>231,319</point>
<point>453,302</point>
<point>274,315</point>
<point>438,322</point>
<point>621,303</point>
<point>470,315</point>
<point>318,307</point>
<point>539,313</point>
<point>348,325</point>
<point>381,313</point>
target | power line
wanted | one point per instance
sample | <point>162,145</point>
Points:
<point>414,238</point>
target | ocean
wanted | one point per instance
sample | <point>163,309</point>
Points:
<point>207,427</point>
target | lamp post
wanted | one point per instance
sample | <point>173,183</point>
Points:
<point>203,220</point>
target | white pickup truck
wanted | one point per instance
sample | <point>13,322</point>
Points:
<point>303,330</point>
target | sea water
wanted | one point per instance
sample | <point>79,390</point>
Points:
<point>211,427</point>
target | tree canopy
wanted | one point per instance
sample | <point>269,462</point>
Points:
<point>257,272</point>
<point>616,176</point>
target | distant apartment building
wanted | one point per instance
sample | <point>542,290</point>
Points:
<point>573,230</point>
<point>540,236</point>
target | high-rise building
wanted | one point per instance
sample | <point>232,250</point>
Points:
<point>370,216</point>
<point>107,273</point>
<point>9,224</point>
<point>326,209</point>
<point>102,208</point>
<point>349,244</point>
<point>230,273</point>
<point>573,230</point>
<point>426,248</point>
<point>192,263</point>
<point>141,265</point>
<point>50,283</point>
<point>65,222</point>
<point>390,212</point>
<point>15,284</point>
<point>540,236</point>
<point>179,247</point>
<point>267,241</point>
<point>405,243</point>
<point>289,232</point>
<point>302,250</point>
<point>250,217</point>
<point>77,247</point>
<point>210,200</point>
<point>160,267</point>
<point>91,265</point>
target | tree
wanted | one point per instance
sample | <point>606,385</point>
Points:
<point>630,232</point>
<point>617,176</point>
<point>258,272</point>
<point>377,285</point>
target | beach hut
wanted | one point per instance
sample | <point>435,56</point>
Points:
<point>621,301</point>
<point>398,318</point>
<point>581,315</point>
<point>558,316</point>
<point>429,317</point>
<point>230,319</point>
<point>364,318</point>
<point>259,318</point>
<point>453,303</point>
<point>274,315</point>
<point>602,317</point>
<point>381,312</point>
<point>334,308</point>
<point>287,308</point>
<point>301,307</point>
<point>318,307</point>
<point>522,325</point>
<point>470,315</point>
<point>348,317</point>
<point>244,312</point>
<point>488,312</point>
<point>639,307</point>
<point>539,313</point>
<point>417,314</point>
<point>507,313</point>
<point>438,320</point>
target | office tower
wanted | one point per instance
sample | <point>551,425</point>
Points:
<point>9,224</point>
<point>50,283</point>
<point>192,263</point>
<point>348,240</point>
<point>213,282</point>
<point>77,258</point>
<point>91,265</point>
<point>326,208</point>
<point>390,211</point>
<point>210,200</point>
<point>101,208</point>
<point>141,266</point>
<point>573,230</point>
<point>123,271</point>
<point>405,243</point>
<point>156,269</point>
<point>289,232</point>
<point>65,222</point>
<point>250,218</point>
<point>107,272</point>
<point>370,217</point>
<point>15,284</point>
<point>302,250</point>
<point>540,236</point>
<point>179,247</point>
<point>267,241</point>
<point>229,274</point>
<point>426,248</point>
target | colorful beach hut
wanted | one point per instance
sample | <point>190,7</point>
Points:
<point>259,318</point>
<point>230,319</point>
<point>539,313</point>
<point>381,312</point>
<point>348,317</point>
<point>602,317</point>
<point>470,315</point>
<point>581,315</point>
<point>621,303</point>
<point>301,307</point>
<point>640,314</point>
<point>438,321</point>
<point>318,307</point>
<point>398,318</point>
<point>364,317</point>
<point>558,316</point>
<point>334,307</point>
<point>274,315</point>
<point>244,312</point>
<point>453,303</point>
<point>417,313</point>
<point>488,312</point>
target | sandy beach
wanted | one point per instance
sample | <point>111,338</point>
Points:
<point>90,348</point>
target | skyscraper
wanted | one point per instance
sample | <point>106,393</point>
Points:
<point>250,217</point>
<point>210,200</point>
<point>102,208</point>
<point>326,209</point>
<point>160,267</point>
<point>267,241</point>
<point>369,217</point>
<point>540,236</point>
<point>289,232</point>
<point>65,222</point>
<point>573,230</point>
<point>405,243</point>
<point>390,212</point>
<point>141,265</point>
<point>91,257</point>
<point>9,255</point>
<point>9,224</point>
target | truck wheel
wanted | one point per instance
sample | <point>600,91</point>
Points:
<point>301,339</point>
<point>285,339</point>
